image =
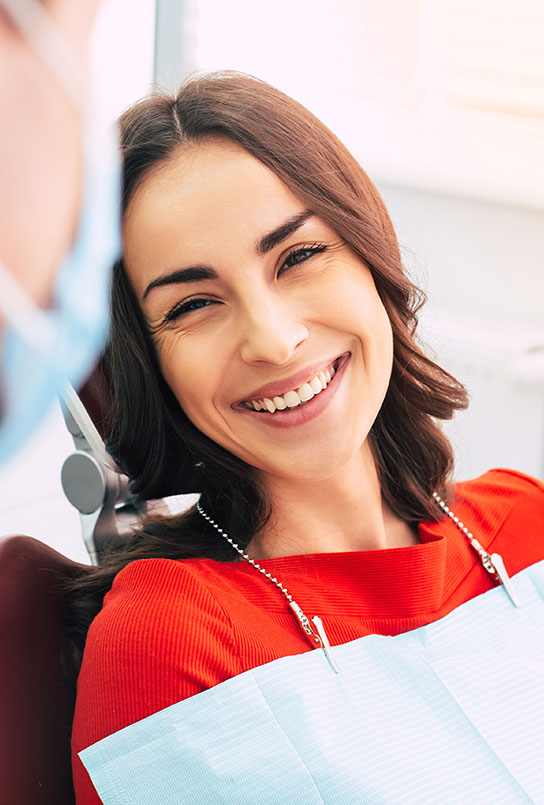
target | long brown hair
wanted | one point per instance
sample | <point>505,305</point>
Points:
<point>152,439</point>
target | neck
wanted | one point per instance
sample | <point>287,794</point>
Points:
<point>345,512</point>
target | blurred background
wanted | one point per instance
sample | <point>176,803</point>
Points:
<point>442,102</point>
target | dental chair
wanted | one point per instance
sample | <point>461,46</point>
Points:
<point>37,688</point>
<point>37,681</point>
<point>91,480</point>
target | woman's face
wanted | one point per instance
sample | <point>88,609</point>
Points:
<point>255,303</point>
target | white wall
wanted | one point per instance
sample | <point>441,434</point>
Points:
<point>482,259</point>
<point>481,264</point>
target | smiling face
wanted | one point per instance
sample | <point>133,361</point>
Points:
<point>268,328</point>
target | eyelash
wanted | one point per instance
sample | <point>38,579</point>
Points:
<point>291,260</point>
<point>186,307</point>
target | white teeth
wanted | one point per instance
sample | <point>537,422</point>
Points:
<point>305,392</point>
<point>316,385</point>
<point>291,399</point>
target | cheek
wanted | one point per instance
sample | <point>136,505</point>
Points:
<point>382,335</point>
<point>180,372</point>
<point>193,376</point>
<point>364,315</point>
<point>353,304</point>
<point>383,330</point>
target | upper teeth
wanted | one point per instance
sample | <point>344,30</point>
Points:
<point>297,396</point>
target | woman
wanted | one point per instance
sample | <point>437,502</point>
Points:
<point>263,354</point>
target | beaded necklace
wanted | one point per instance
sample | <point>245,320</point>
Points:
<point>493,563</point>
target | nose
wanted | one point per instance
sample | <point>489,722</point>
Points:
<point>271,331</point>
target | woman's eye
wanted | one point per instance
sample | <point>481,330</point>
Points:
<point>186,307</point>
<point>300,255</point>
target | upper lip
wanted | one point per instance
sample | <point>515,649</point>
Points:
<point>292,382</point>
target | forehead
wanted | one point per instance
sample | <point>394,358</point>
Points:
<point>206,198</point>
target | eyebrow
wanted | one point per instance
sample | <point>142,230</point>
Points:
<point>268,242</point>
<point>180,275</point>
<point>203,272</point>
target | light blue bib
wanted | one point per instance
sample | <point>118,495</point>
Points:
<point>452,712</point>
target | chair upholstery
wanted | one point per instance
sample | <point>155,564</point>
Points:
<point>37,687</point>
<point>95,395</point>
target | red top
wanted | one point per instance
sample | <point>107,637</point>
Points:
<point>170,629</point>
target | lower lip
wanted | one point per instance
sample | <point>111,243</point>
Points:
<point>291,417</point>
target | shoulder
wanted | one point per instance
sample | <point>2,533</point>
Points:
<point>505,478</point>
<point>506,508</point>
<point>163,595</point>
<point>161,619</point>
<point>146,578</point>
<point>502,489</point>
<point>160,637</point>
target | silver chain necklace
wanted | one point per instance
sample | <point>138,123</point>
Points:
<point>492,563</point>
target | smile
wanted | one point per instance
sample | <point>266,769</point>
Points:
<point>295,397</point>
<point>301,403</point>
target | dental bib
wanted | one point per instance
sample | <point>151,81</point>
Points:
<point>451,712</point>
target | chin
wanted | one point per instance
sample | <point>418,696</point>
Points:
<point>314,465</point>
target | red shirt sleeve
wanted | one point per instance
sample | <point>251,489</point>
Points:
<point>160,638</point>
